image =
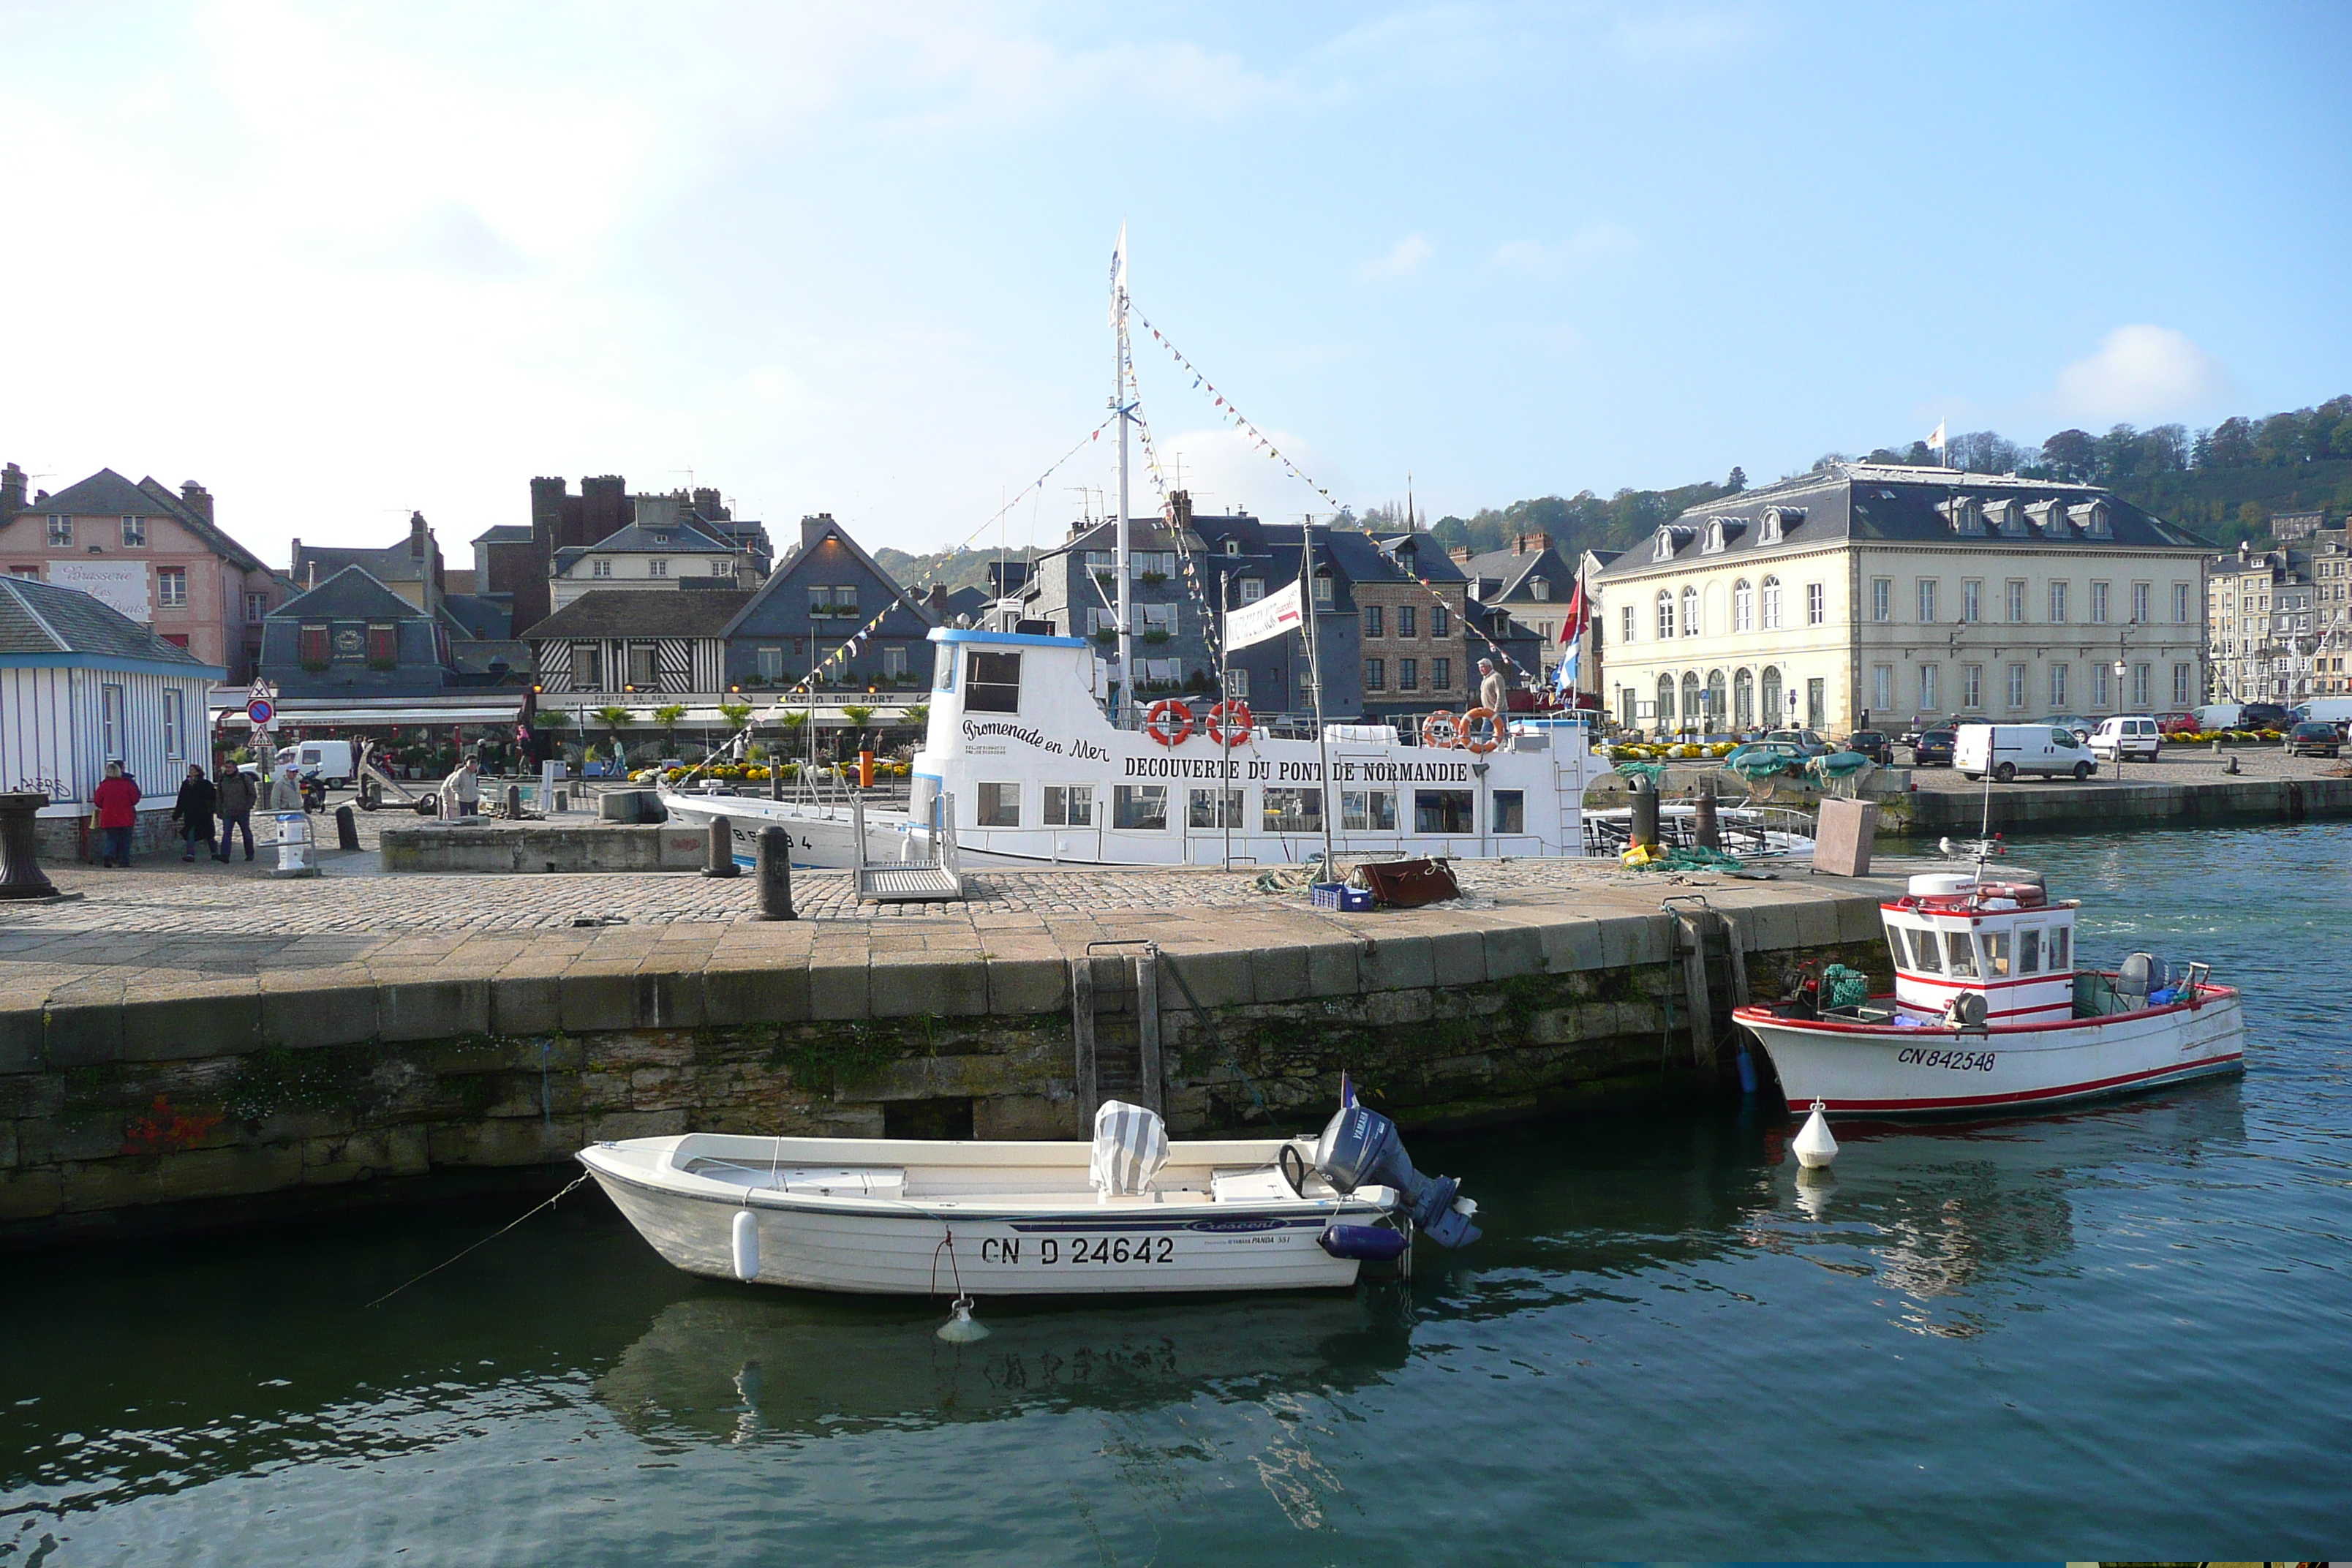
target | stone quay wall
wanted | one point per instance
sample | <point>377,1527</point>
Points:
<point>1446,1019</point>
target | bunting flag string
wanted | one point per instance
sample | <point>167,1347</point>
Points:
<point>1259,439</point>
<point>865,633</point>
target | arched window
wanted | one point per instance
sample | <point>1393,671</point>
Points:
<point>1770,715</point>
<point>1717,712</point>
<point>1665,613</point>
<point>1743,606</point>
<point>1665,703</point>
<point>1690,700</point>
<point>1743,700</point>
<point>1772,604</point>
<point>1690,612</point>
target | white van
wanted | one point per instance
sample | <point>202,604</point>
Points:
<point>2126,735</point>
<point>332,760</point>
<point>2335,710</point>
<point>2005,750</point>
<point>2219,715</point>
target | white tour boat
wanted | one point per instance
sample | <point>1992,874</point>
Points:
<point>1025,767</point>
<point>1989,1012</point>
<point>1127,1212</point>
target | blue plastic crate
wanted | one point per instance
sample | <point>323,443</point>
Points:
<point>1339,896</point>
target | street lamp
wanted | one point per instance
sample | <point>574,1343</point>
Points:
<point>2123,669</point>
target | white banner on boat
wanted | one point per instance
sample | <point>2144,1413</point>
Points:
<point>1269,617</point>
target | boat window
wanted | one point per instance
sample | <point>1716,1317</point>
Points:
<point>1510,810</point>
<point>1926,956</point>
<point>2029,950</point>
<point>1139,806</point>
<point>993,683</point>
<point>1996,946</point>
<point>1443,811</point>
<point>1368,810</point>
<point>999,805</point>
<point>1962,950</point>
<point>1069,806</point>
<point>1203,809</point>
<point>2058,963</point>
<point>1294,810</point>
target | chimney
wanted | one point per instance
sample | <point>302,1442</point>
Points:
<point>417,535</point>
<point>1178,512</point>
<point>1460,552</point>
<point>940,602</point>
<point>11,491</point>
<point>1543,541</point>
<point>192,496</point>
<point>707,505</point>
<point>605,507</point>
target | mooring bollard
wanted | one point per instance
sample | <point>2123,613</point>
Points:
<point>1644,815</point>
<point>347,828</point>
<point>1703,823</point>
<point>514,802</point>
<point>775,873</point>
<point>776,778</point>
<point>722,848</point>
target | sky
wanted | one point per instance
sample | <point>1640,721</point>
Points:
<point>342,261</point>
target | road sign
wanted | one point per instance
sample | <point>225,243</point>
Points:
<point>261,711</point>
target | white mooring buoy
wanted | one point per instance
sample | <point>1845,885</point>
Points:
<point>747,1244</point>
<point>960,1329</point>
<point>1814,1147</point>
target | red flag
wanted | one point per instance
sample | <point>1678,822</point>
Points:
<point>1570,628</point>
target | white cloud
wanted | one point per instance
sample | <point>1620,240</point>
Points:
<point>1602,240</point>
<point>2140,372</point>
<point>1404,259</point>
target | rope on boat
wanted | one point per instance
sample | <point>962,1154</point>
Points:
<point>437,1269</point>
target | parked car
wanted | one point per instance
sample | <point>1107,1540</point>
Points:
<point>2005,750</point>
<point>2176,724</point>
<point>2126,735</point>
<point>2074,721</point>
<point>1870,743</point>
<point>1809,742</point>
<point>2263,716</point>
<point>1933,749</point>
<point>2314,738</point>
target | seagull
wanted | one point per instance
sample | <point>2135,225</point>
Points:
<point>1943,847</point>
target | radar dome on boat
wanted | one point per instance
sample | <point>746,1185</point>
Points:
<point>1940,884</point>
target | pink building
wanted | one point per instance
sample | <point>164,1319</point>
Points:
<point>154,555</point>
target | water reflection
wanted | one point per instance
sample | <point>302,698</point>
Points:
<point>751,1366</point>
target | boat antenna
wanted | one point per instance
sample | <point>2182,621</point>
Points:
<point>1314,682</point>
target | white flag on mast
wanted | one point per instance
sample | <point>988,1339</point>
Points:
<point>1934,438</point>
<point>1269,617</point>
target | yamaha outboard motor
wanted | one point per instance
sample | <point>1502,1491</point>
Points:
<point>1361,1147</point>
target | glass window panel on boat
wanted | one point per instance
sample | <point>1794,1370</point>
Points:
<point>1069,806</point>
<point>2029,950</point>
<point>1294,810</point>
<point>1368,810</point>
<point>943,667</point>
<point>1000,805</point>
<point>1202,809</point>
<point>993,683</point>
<point>1443,811</point>
<point>1962,951</point>
<point>1927,953</point>
<point>2058,961</point>
<point>1510,809</point>
<point>1142,806</point>
<point>1996,949</point>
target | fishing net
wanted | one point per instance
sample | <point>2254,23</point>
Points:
<point>1679,858</point>
<point>1837,765</point>
<point>1653,771</point>
<point>1844,987</point>
<point>1758,766</point>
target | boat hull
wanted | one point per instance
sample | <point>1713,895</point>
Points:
<point>1857,1068</point>
<point>909,1248</point>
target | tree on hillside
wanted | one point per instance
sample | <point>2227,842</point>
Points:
<point>1738,481</point>
<point>1988,452</point>
<point>2071,454</point>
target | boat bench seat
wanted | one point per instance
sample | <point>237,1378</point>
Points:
<point>830,1180</point>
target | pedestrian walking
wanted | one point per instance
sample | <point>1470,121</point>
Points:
<point>193,812</point>
<point>117,799</point>
<point>235,795</point>
<point>286,790</point>
<point>461,792</point>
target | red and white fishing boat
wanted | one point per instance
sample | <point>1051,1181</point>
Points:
<point>1989,1012</point>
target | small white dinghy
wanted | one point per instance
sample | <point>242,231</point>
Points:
<point>1127,1212</point>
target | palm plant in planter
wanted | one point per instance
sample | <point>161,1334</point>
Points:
<point>857,713</point>
<point>666,716</point>
<point>917,714</point>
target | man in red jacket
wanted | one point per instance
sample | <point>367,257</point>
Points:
<point>117,798</point>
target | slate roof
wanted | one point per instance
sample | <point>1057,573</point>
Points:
<point>478,616</point>
<point>108,494</point>
<point>38,617</point>
<point>814,531</point>
<point>393,563</point>
<point>504,534</point>
<point>681,538</point>
<point>350,594</point>
<point>1876,503</point>
<point>643,613</point>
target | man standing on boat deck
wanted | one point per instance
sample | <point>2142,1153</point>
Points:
<point>1493,691</point>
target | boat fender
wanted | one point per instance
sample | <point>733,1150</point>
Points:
<point>1814,1148</point>
<point>1471,741</point>
<point>1746,1073</point>
<point>747,1244</point>
<point>1228,723</point>
<point>1364,1243</point>
<point>960,1329</point>
<point>1167,721</point>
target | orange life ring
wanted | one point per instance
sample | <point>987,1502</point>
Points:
<point>1440,729</point>
<point>1494,731</point>
<point>1234,713</point>
<point>1169,721</point>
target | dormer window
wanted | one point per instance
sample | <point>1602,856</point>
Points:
<point>2050,516</point>
<point>1772,526</point>
<point>1233,547</point>
<point>1715,541</point>
<point>1965,513</point>
<point>2007,515</point>
<point>1539,587</point>
<point>1664,548</point>
<point>2092,519</point>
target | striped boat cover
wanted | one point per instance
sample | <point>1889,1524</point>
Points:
<point>1130,1145</point>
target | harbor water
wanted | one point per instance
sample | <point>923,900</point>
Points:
<point>2120,1332</point>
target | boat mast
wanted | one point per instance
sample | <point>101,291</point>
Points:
<point>1315,681</point>
<point>1125,712</point>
